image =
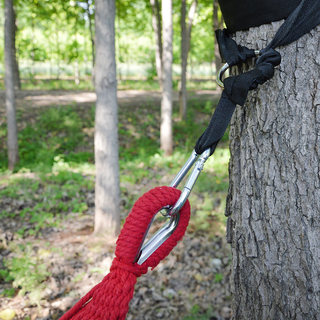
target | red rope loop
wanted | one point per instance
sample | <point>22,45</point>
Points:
<point>109,300</point>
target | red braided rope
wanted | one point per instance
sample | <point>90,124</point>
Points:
<point>109,300</point>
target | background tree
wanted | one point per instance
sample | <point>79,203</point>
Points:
<point>166,101</point>
<point>16,73</point>
<point>185,46</point>
<point>273,204</point>
<point>9,44</point>
<point>107,189</point>
<point>217,23</point>
<point>157,28</point>
<point>90,14</point>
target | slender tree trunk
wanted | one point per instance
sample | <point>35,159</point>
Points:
<point>91,37</point>
<point>57,38</point>
<point>76,64</point>
<point>76,73</point>
<point>157,27</point>
<point>274,194</point>
<point>217,24</point>
<point>107,190</point>
<point>166,101</point>
<point>185,46</point>
<point>16,74</point>
<point>9,84</point>
<point>34,49</point>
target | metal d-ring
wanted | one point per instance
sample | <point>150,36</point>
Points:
<point>224,68</point>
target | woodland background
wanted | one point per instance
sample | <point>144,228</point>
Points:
<point>48,255</point>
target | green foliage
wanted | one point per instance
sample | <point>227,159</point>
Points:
<point>55,84</point>
<point>5,275</point>
<point>197,314</point>
<point>8,292</point>
<point>46,200</point>
<point>149,84</point>
<point>56,131</point>
<point>57,34</point>
<point>218,277</point>
<point>27,272</point>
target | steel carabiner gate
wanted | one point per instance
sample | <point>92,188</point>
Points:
<point>173,213</point>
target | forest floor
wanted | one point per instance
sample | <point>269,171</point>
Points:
<point>48,255</point>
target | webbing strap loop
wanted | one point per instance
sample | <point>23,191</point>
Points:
<point>230,51</point>
<point>237,87</point>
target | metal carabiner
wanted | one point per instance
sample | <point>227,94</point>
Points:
<point>174,212</point>
<point>224,68</point>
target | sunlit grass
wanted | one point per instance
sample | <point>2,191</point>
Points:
<point>27,271</point>
<point>197,314</point>
<point>123,84</point>
<point>44,200</point>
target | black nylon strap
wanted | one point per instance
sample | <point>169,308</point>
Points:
<point>303,19</point>
<point>217,126</point>
<point>243,14</point>
<point>237,87</point>
<point>230,51</point>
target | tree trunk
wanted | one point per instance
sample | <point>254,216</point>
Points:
<point>91,37</point>
<point>274,194</point>
<point>157,27</point>
<point>76,73</point>
<point>16,73</point>
<point>107,190</point>
<point>217,24</point>
<point>9,84</point>
<point>57,38</point>
<point>166,101</point>
<point>185,46</point>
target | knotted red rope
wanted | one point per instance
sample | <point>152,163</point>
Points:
<point>109,300</point>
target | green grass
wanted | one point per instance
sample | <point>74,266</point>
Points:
<point>197,314</point>
<point>56,131</point>
<point>27,271</point>
<point>54,84</point>
<point>123,84</point>
<point>45,200</point>
<point>218,277</point>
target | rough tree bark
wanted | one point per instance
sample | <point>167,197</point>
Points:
<point>12,141</point>
<point>107,189</point>
<point>166,101</point>
<point>157,27</point>
<point>185,46</point>
<point>274,195</point>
